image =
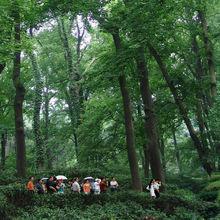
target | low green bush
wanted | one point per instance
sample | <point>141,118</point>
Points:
<point>166,204</point>
<point>184,214</point>
<point>120,211</point>
<point>17,203</point>
<point>209,196</point>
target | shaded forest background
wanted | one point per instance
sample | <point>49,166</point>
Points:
<point>124,88</point>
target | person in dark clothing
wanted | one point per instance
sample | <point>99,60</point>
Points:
<point>39,187</point>
<point>157,185</point>
<point>103,185</point>
<point>51,185</point>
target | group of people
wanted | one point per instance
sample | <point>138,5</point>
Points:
<point>96,187</point>
<point>87,186</point>
<point>154,188</point>
<point>41,186</point>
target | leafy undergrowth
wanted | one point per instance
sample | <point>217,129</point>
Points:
<point>16,203</point>
<point>182,200</point>
<point>211,192</point>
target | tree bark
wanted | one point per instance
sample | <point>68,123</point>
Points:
<point>132,156</point>
<point>203,152</point>
<point>146,161</point>
<point>37,107</point>
<point>177,152</point>
<point>163,157</point>
<point>19,97</point>
<point>150,119</point>
<point>73,92</point>
<point>47,124</point>
<point>3,148</point>
<point>202,99</point>
<point>209,53</point>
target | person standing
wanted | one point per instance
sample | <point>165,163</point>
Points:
<point>157,185</point>
<point>97,186</point>
<point>39,187</point>
<point>150,187</point>
<point>60,186</point>
<point>113,185</point>
<point>103,185</point>
<point>87,187</point>
<point>75,186</point>
<point>51,187</point>
<point>30,184</point>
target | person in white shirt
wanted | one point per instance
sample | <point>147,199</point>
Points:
<point>157,185</point>
<point>150,187</point>
<point>113,184</point>
<point>97,186</point>
<point>75,186</point>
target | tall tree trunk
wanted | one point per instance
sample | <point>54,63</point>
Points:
<point>132,156</point>
<point>19,97</point>
<point>47,124</point>
<point>145,150</point>
<point>73,93</point>
<point>163,157</point>
<point>3,148</point>
<point>202,107</point>
<point>150,119</point>
<point>146,161</point>
<point>72,116</point>
<point>209,53</point>
<point>37,107</point>
<point>177,152</point>
<point>203,152</point>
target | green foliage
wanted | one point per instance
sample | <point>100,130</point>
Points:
<point>120,205</point>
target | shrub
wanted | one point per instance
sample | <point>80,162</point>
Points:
<point>209,196</point>
<point>214,185</point>
<point>115,204</point>
<point>184,214</point>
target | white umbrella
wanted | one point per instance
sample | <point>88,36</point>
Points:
<point>61,177</point>
<point>44,178</point>
<point>89,178</point>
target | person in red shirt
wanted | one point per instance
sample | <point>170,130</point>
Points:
<point>30,184</point>
<point>103,185</point>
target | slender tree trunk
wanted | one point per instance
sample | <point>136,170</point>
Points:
<point>3,149</point>
<point>144,151</point>
<point>177,153</point>
<point>146,161</point>
<point>163,157</point>
<point>209,53</point>
<point>203,152</point>
<point>19,97</point>
<point>73,123</point>
<point>37,107</point>
<point>202,107</point>
<point>150,119</point>
<point>73,93</point>
<point>132,156</point>
<point>47,124</point>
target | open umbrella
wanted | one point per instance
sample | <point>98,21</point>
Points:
<point>44,178</point>
<point>89,178</point>
<point>61,177</point>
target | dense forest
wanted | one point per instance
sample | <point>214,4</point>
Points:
<point>106,88</point>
